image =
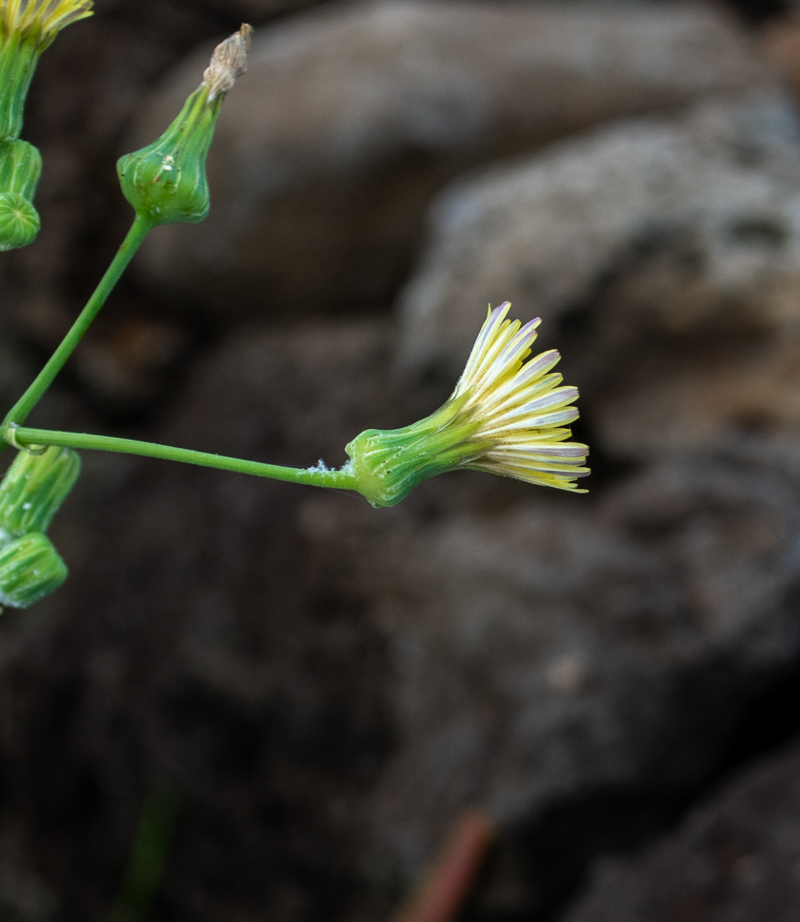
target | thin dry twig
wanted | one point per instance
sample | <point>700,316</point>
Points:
<point>453,874</point>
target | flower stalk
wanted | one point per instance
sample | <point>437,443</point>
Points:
<point>29,439</point>
<point>505,416</point>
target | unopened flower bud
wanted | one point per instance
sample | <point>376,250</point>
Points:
<point>20,169</point>
<point>27,28</point>
<point>19,222</point>
<point>34,488</point>
<point>30,569</point>
<point>166,181</point>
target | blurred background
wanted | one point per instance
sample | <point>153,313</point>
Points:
<point>300,696</point>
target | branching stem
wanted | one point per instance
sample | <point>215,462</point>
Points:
<point>22,408</point>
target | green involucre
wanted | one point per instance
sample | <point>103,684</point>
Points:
<point>30,569</point>
<point>34,488</point>
<point>20,169</point>
<point>19,222</point>
<point>387,464</point>
<point>166,181</point>
<point>19,56</point>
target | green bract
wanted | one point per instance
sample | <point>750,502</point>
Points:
<point>20,168</point>
<point>34,488</point>
<point>18,60</point>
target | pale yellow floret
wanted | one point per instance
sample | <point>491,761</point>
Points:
<point>508,415</point>
<point>520,410</point>
<point>45,18</point>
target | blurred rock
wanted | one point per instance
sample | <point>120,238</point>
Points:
<point>781,41</point>
<point>125,365</point>
<point>199,647</point>
<point>351,118</point>
<point>19,366</point>
<point>664,258</point>
<point>734,860</point>
<point>326,685</point>
<point>562,649</point>
<point>23,897</point>
<point>256,11</point>
<point>13,369</point>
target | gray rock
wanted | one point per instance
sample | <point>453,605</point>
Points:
<point>12,374</point>
<point>197,647</point>
<point>256,11</point>
<point>18,368</point>
<point>351,118</point>
<point>663,256</point>
<point>563,648</point>
<point>736,859</point>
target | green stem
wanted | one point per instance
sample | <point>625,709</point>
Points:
<point>23,437</point>
<point>22,408</point>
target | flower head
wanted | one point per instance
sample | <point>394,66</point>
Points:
<point>507,416</point>
<point>27,28</point>
<point>166,181</point>
<point>40,20</point>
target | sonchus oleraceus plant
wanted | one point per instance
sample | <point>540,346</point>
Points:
<point>508,415</point>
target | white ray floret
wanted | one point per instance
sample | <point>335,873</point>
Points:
<point>519,407</point>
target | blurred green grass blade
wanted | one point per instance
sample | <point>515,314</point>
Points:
<point>148,858</point>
